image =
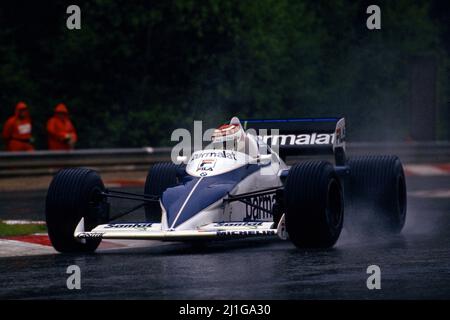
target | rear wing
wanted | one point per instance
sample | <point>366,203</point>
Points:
<point>302,136</point>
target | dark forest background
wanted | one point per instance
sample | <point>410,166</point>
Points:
<point>138,69</point>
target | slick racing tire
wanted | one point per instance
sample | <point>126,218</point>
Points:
<point>160,177</point>
<point>377,195</point>
<point>314,205</point>
<point>74,194</point>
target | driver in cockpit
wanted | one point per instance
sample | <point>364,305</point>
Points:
<point>233,137</point>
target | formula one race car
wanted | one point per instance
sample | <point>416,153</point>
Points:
<point>240,186</point>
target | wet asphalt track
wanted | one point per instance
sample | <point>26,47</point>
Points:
<point>415,264</point>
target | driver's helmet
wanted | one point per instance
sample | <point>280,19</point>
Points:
<point>228,137</point>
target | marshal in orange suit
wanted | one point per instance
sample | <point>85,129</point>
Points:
<point>17,130</point>
<point>61,132</point>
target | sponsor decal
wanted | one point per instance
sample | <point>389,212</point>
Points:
<point>215,154</point>
<point>206,165</point>
<point>90,235</point>
<point>299,140</point>
<point>227,233</point>
<point>239,224</point>
<point>253,213</point>
<point>128,225</point>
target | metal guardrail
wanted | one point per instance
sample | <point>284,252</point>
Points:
<point>44,162</point>
<point>48,162</point>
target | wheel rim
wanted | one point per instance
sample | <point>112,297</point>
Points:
<point>94,203</point>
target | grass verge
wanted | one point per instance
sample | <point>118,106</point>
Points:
<point>7,230</point>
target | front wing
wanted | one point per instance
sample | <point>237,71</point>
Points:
<point>153,231</point>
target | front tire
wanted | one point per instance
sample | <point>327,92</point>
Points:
<point>314,205</point>
<point>74,194</point>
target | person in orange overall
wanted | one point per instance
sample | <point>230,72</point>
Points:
<point>17,130</point>
<point>61,132</point>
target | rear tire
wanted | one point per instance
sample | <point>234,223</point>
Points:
<point>74,194</point>
<point>160,177</point>
<point>377,195</point>
<point>314,205</point>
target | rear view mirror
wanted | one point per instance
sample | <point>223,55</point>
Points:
<point>182,159</point>
<point>262,158</point>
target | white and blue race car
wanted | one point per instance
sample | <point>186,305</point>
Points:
<point>240,186</point>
